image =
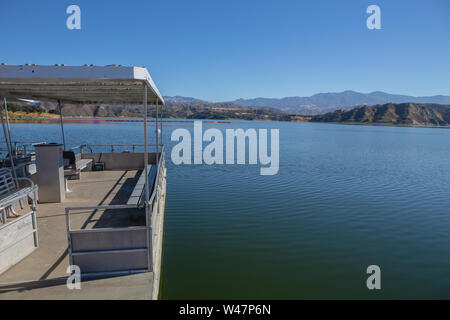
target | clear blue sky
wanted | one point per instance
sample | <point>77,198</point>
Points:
<point>223,50</point>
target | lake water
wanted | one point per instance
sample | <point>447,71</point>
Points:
<point>345,197</point>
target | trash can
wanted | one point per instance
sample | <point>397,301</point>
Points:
<point>50,172</point>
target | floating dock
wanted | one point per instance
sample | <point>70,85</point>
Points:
<point>43,274</point>
<point>99,213</point>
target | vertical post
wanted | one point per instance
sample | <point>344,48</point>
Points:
<point>8,127</point>
<point>146,204</point>
<point>145,146</point>
<point>62,123</point>
<point>8,144</point>
<point>160,126</point>
<point>156,131</point>
<point>69,236</point>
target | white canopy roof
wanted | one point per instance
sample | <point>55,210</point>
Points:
<point>85,84</point>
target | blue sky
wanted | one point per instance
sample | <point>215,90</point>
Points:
<point>223,50</point>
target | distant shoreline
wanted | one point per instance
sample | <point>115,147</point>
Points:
<point>82,119</point>
<point>390,114</point>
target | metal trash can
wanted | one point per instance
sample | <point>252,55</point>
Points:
<point>50,172</point>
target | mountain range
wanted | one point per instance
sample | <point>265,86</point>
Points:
<point>308,106</point>
<point>325,102</point>
<point>390,113</point>
<point>175,107</point>
<point>347,106</point>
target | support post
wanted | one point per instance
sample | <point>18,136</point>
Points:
<point>8,127</point>
<point>69,237</point>
<point>8,144</point>
<point>62,124</point>
<point>160,126</point>
<point>147,196</point>
<point>156,131</point>
<point>146,145</point>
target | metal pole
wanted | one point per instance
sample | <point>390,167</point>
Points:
<point>11,159</point>
<point>62,123</point>
<point>146,204</point>
<point>8,127</point>
<point>156,130</point>
<point>160,125</point>
<point>145,146</point>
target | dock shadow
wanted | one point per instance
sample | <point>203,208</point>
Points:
<point>115,218</point>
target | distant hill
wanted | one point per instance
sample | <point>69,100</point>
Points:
<point>180,99</point>
<point>175,107</point>
<point>191,108</point>
<point>326,102</point>
<point>389,113</point>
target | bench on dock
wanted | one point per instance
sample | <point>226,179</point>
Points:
<point>11,193</point>
<point>137,197</point>
<point>75,165</point>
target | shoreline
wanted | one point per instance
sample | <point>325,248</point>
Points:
<point>82,119</point>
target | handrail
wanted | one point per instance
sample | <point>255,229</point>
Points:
<point>123,206</point>
<point>161,160</point>
<point>101,207</point>
<point>118,145</point>
<point>30,143</point>
<point>113,146</point>
<point>20,146</point>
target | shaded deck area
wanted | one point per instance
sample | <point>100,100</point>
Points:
<point>42,274</point>
<point>94,228</point>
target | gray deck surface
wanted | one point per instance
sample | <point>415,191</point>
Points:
<point>50,260</point>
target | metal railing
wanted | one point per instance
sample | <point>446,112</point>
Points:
<point>161,164</point>
<point>115,147</point>
<point>152,206</point>
<point>20,148</point>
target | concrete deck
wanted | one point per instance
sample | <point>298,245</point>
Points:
<point>39,275</point>
<point>131,287</point>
